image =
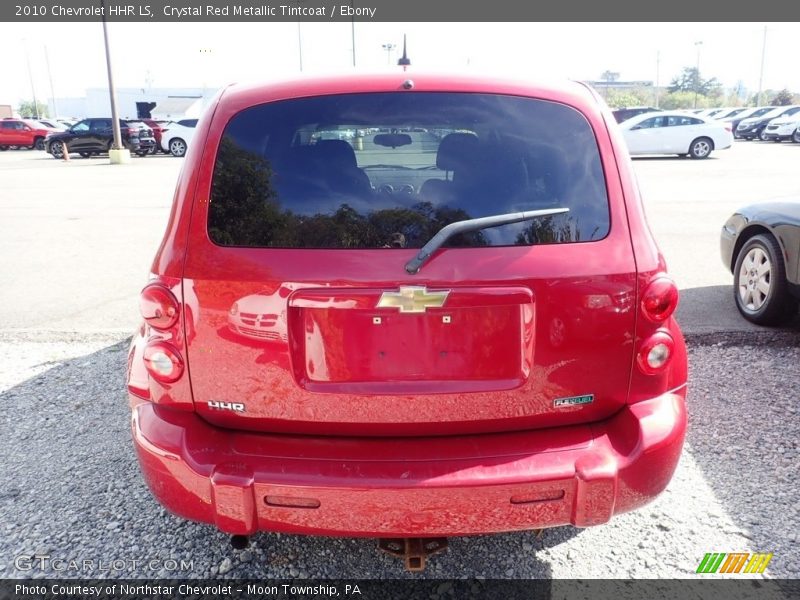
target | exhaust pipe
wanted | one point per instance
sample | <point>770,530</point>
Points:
<point>240,542</point>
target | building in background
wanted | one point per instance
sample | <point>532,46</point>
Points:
<point>137,103</point>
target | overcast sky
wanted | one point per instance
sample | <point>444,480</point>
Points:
<point>169,54</point>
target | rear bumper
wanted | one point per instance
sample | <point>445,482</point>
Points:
<point>243,482</point>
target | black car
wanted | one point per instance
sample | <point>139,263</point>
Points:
<point>735,120</point>
<point>623,114</point>
<point>755,127</point>
<point>95,136</point>
<point>760,244</point>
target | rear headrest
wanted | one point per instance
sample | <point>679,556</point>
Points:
<point>457,151</point>
<point>336,153</point>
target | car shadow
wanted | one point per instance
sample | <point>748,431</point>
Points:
<point>712,309</point>
<point>69,453</point>
<point>672,157</point>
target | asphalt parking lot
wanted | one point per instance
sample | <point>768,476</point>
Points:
<point>77,241</point>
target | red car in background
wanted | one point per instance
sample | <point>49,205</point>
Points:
<point>158,130</point>
<point>23,133</point>
<point>396,246</point>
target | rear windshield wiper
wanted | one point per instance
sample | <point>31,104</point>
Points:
<point>445,233</point>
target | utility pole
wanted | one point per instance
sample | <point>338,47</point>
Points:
<point>761,74</point>
<point>658,67</point>
<point>30,75</point>
<point>697,72</point>
<point>117,154</point>
<point>353,33</point>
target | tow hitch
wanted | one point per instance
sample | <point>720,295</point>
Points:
<point>413,551</point>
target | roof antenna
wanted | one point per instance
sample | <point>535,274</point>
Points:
<point>404,61</point>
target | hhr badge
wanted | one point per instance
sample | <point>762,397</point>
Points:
<point>413,299</point>
<point>234,406</point>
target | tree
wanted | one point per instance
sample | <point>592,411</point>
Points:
<point>675,100</point>
<point>631,97</point>
<point>782,98</point>
<point>609,76</point>
<point>27,110</point>
<point>690,81</point>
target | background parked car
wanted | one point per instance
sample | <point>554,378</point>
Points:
<point>176,137</point>
<point>782,128</point>
<point>746,114</point>
<point>730,113</point>
<point>157,127</point>
<point>625,113</point>
<point>95,136</point>
<point>754,127</point>
<point>22,133</point>
<point>760,244</point>
<point>675,133</point>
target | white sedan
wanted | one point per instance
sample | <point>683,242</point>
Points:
<point>675,133</point>
<point>176,137</point>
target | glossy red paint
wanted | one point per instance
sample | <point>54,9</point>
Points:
<point>442,437</point>
<point>580,474</point>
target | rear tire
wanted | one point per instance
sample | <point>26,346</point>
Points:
<point>701,148</point>
<point>85,154</point>
<point>796,136</point>
<point>762,135</point>
<point>177,147</point>
<point>38,144</point>
<point>3,148</point>
<point>759,282</point>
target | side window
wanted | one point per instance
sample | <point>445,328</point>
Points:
<point>651,123</point>
<point>101,124</point>
<point>680,121</point>
<point>82,126</point>
<point>8,125</point>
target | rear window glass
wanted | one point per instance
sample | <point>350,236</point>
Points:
<point>388,170</point>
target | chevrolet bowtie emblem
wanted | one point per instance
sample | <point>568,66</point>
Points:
<point>413,299</point>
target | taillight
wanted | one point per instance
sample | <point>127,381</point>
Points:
<point>660,299</point>
<point>655,353</point>
<point>163,362</point>
<point>158,306</point>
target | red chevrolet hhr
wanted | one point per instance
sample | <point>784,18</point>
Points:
<point>407,306</point>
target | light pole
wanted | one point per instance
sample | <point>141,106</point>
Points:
<point>117,154</point>
<point>206,54</point>
<point>761,74</point>
<point>50,77</point>
<point>697,72</point>
<point>389,49</point>
<point>299,37</point>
